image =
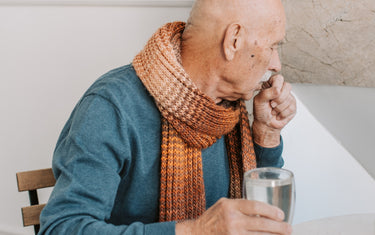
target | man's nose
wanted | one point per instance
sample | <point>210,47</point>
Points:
<point>275,63</point>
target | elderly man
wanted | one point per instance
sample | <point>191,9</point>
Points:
<point>160,146</point>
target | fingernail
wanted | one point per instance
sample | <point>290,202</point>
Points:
<point>280,214</point>
<point>273,104</point>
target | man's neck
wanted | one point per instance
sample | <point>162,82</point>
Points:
<point>201,70</point>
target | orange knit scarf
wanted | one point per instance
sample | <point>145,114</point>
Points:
<point>191,121</point>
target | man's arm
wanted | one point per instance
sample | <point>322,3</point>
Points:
<point>88,161</point>
<point>274,107</point>
<point>269,157</point>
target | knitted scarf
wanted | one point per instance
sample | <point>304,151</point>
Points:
<point>191,121</point>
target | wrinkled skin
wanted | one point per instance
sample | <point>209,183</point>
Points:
<point>227,47</point>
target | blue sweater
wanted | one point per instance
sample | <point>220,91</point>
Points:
<point>107,161</point>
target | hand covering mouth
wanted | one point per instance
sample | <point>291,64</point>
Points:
<point>263,83</point>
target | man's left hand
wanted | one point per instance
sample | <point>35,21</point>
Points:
<point>274,107</point>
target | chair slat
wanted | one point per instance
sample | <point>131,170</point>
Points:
<point>30,214</point>
<point>31,180</point>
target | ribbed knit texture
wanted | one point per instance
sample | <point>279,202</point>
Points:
<point>191,121</point>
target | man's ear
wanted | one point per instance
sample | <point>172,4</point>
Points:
<point>232,40</point>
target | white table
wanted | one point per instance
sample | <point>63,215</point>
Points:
<point>356,224</point>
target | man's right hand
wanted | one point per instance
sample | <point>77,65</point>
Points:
<point>237,216</point>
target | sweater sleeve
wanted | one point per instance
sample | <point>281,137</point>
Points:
<point>269,157</point>
<point>89,159</point>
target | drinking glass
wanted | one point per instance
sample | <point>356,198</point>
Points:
<point>271,185</point>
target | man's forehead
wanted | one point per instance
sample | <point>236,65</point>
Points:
<point>237,6</point>
<point>255,15</point>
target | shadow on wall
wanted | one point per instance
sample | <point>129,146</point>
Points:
<point>345,112</point>
<point>329,180</point>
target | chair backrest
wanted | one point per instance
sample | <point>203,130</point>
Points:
<point>31,181</point>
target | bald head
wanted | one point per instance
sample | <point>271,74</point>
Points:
<point>218,14</point>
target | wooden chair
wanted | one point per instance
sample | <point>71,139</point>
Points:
<point>31,181</point>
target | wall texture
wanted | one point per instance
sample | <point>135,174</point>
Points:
<point>330,42</point>
<point>327,42</point>
<point>51,54</point>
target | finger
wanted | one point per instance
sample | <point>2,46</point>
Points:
<point>289,112</point>
<point>260,224</point>
<point>289,101</point>
<point>285,120</point>
<point>286,113</point>
<point>251,208</point>
<point>276,83</point>
<point>284,95</point>
<point>279,123</point>
<point>266,95</point>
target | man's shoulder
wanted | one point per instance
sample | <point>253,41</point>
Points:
<point>125,70</point>
<point>121,76</point>
<point>118,83</point>
<point>123,88</point>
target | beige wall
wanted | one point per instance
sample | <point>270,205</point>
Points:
<point>330,42</point>
<point>49,55</point>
